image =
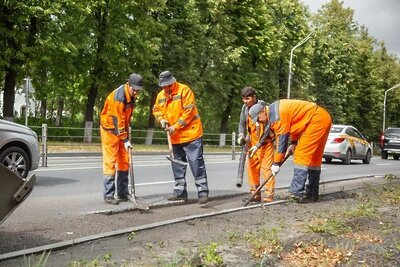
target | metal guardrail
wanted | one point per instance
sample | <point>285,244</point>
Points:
<point>147,137</point>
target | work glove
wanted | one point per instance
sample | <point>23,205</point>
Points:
<point>164,123</point>
<point>275,169</point>
<point>170,129</point>
<point>127,145</point>
<point>241,141</point>
<point>252,150</point>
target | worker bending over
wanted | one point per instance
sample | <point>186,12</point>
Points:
<point>307,126</point>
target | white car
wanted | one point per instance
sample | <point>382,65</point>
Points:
<point>345,143</point>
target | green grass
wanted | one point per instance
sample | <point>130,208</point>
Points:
<point>62,147</point>
<point>367,209</point>
<point>264,241</point>
<point>331,226</point>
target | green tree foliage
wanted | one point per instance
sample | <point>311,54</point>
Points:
<point>77,52</point>
<point>22,24</point>
<point>334,61</point>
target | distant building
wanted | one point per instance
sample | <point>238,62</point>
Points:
<point>20,101</point>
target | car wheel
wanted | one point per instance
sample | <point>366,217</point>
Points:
<point>384,155</point>
<point>328,160</point>
<point>17,160</point>
<point>347,159</point>
<point>396,157</point>
<point>367,157</point>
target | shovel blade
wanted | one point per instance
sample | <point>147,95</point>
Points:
<point>177,161</point>
<point>137,203</point>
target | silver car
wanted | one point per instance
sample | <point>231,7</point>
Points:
<point>19,148</point>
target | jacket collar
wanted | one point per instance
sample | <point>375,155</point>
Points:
<point>127,94</point>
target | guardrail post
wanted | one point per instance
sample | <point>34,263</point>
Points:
<point>233,146</point>
<point>44,145</point>
<point>88,133</point>
<point>222,139</point>
<point>149,136</point>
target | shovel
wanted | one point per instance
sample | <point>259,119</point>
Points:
<point>171,153</point>
<point>137,203</point>
<point>265,181</point>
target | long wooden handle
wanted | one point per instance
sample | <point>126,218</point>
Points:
<point>170,144</point>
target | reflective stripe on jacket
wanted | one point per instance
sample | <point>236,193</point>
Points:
<point>289,119</point>
<point>179,109</point>
<point>117,112</point>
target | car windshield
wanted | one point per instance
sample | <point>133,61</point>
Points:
<point>395,131</point>
<point>336,129</point>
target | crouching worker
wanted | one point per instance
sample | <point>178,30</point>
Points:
<point>307,125</point>
<point>114,121</point>
<point>261,147</point>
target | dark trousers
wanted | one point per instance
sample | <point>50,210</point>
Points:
<point>191,152</point>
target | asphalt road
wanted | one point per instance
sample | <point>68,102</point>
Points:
<point>67,197</point>
<point>73,185</point>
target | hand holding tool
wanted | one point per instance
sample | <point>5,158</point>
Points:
<point>171,152</point>
<point>252,151</point>
<point>127,145</point>
<point>163,123</point>
<point>275,169</point>
<point>241,141</point>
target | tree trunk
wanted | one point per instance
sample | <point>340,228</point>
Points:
<point>60,108</point>
<point>91,98</point>
<point>9,92</point>
<point>101,15</point>
<point>43,108</point>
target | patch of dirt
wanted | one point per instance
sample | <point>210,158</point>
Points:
<point>359,226</point>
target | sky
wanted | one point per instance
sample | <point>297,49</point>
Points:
<point>381,17</point>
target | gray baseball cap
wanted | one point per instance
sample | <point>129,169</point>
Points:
<point>255,109</point>
<point>136,81</point>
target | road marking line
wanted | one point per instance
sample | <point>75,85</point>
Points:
<point>46,169</point>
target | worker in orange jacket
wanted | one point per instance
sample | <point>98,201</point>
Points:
<point>307,126</point>
<point>175,109</point>
<point>114,130</point>
<point>261,147</point>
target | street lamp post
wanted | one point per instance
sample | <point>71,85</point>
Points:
<point>291,59</point>
<point>384,105</point>
<point>26,100</point>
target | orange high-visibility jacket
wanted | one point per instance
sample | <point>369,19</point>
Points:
<point>117,112</point>
<point>179,109</point>
<point>288,119</point>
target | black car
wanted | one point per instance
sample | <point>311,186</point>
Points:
<point>390,143</point>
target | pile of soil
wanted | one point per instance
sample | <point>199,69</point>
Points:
<point>355,227</point>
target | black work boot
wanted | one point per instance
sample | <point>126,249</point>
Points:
<point>122,198</point>
<point>203,200</point>
<point>255,199</point>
